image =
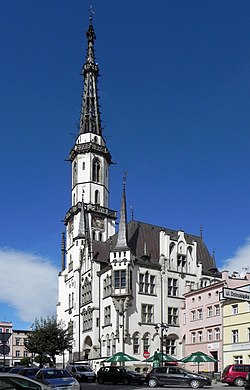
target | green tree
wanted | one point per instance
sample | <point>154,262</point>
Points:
<point>48,339</point>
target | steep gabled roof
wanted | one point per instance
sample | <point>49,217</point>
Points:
<point>140,233</point>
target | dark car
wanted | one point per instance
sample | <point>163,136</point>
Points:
<point>235,374</point>
<point>174,375</point>
<point>119,375</point>
<point>16,369</point>
<point>30,372</point>
<point>81,372</point>
<point>247,382</point>
<point>5,368</point>
<point>57,379</point>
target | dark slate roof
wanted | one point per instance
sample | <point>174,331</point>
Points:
<point>140,233</point>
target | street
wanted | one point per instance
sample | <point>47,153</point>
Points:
<point>96,386</point>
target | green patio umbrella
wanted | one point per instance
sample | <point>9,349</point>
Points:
<point>121,357</point>
<point>161,357</point>
<point>198,357</point>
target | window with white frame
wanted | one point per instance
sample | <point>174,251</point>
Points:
<point>170,346</point>
<point>173,316</point>
<point>147,314</point>
<point>235,309</point>
<point>172,287</point>
<point>238,359</point>
<point>193,315</point>
<point>209,311</point>
<point>193,337</point>
<point>199,314</point>
<point>146,283</point>
<point>209,335</point>
<point>136,343</point>
<point>107,286</point>
<point>86,291</point>
<point>108,347</point>
<point>146,343</point>
<point>217,333</point>
<point>113,345</point>
<point>107,315</point>
<point>235,336</point>
<point>120,279</point>
<point>87,319</point>
<point>199,336</point>
<point>216,310</point>
<point>18,353</point>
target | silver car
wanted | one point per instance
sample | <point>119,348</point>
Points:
<point>17,382</point>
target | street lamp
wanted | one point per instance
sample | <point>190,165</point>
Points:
<point>164,328</point>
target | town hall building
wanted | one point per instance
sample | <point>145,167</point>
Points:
<point>119,291</point>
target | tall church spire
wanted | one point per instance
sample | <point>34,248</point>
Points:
<point>122,238</point>
<point>90,121</point>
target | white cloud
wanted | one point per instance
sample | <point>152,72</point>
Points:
<point>240,261</point>
<point>28,284</point>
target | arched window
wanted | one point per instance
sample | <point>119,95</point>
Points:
<point>74,199</point>
<point>97,197</point>
<point>96,170</point>
<point>146,342</point>
<point>100,236</point>
<point>136,343</point>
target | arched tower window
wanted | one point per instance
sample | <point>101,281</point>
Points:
<point>96,170</point>
<point>97,197</point>
<point>93,235</point>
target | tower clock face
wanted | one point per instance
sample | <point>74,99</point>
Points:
<point>98,222</point>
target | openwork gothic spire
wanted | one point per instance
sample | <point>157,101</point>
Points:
<point>122,237</point>
<point>90,121</point>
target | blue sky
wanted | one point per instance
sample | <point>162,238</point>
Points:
<point>174,95</point>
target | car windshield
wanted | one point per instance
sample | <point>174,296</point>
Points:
<point>83,368</point>
<point>56,374</point>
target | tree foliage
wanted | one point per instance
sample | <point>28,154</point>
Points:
<point>48,339</point>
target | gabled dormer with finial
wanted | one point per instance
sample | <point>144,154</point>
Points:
<point>90,160</point>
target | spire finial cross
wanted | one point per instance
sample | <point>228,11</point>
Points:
<point>91,14</point>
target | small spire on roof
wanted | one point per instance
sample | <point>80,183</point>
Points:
<point>132,212</point>
<point>201,231</point>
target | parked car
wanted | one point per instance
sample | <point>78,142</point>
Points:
<point>18,382</point>
<point>175,375</point>
<point>119,375</point>
<point>30,372</point>
<point>235,374</point>
<point>5,368</point>
<point>57,379</point>
<point>81,372</point>
<point>247,382</point>
<point>16,369</point>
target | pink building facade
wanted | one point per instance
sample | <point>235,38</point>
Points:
<point>201,320</point>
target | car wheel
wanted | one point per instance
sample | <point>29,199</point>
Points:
<point>152,382</point>
<point>100,381</point>
<point>194,383</point>
<point>239,382</point>
<point>125,381</point>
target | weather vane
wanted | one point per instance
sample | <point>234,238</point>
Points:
<point>91,13</point>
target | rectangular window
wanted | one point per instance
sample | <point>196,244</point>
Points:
<point>193,315</point>
<point>107,315</point>
<point>170,347</point>
<point>217,333</point>
<point>120,279</point>
<point>238,359</point>
<point>146,283</point>
<point>200,338</point>
<point>193,337</point>
<point>173,316</point>
<point>17,353</point>
<point>234,309</point>
<point>25,353</point>
<point>18,341</point>
<point>147,315</point>
<point>209,335</point>
<point>199,314</point>
<point>172,287</point>
<point>216,310</point>
<point>209,311</point>
<point>235,336</point>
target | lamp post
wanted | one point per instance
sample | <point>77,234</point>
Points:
<point>164,328</point>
